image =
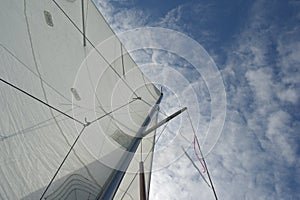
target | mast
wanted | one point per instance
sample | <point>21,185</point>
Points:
<point>116,177</point>
<point>142,182</point>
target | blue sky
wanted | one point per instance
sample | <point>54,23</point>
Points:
<point>256,47</point>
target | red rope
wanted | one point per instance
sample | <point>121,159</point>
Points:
<point>197,155</point>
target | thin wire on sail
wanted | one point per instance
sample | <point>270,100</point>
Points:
<point>36,126</point>
<point>39,100</point>
<point>89,73</point>
<point>111,67</point>
<point>75,141</point>
<point>33,125</point>
<point>151,150</point>
<point>34,73</point>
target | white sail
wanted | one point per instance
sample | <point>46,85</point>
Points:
<point>54,88</point>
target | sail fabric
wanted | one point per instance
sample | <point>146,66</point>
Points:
<point>99,90</point>
<point>129,188</point>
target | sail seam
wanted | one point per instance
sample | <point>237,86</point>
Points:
<point>34,73</point>
<point>44,92</point>
<point>39,73</point>
<point>98,100</point>
<point>36,126</point>
<point>96,96</point>
<point>51,107</point>
<point>41,101</point>
<point>45,95</point>
<point>60,166</point>
<point>108,113</point>
<point>75,141</point>
<point>111,67</point>
<point>114,70</point>
<point>152,148</point>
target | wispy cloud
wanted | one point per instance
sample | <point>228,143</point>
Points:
<point>122,19</point>
<point>257,155</point>
<point>263,94</point>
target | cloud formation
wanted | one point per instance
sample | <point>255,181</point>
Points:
<point>257,155</point>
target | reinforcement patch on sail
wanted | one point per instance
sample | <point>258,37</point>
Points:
<point>48,18</point>
<point>122,138</point>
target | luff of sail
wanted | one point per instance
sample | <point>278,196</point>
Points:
<point>42,54</point>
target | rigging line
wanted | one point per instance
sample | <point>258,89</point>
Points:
<point>197,155</point>
<point>71,148</point>
<point>108,113</point>
<point>41,101</point>
<point>146,85</point>
<point>43,89</point>
<point>210,180</point>
<point>76,194</point>
<point>28,68</point>
<point>184,136</point>
<point>125,193</point>
<point>152,148</point>
<point>42,85</point>
<point>86,13</point>
<point>112,117</point>
<point>160,111</point>
<point>151,106</point>
<point>114,70</point>
<point>161,132</point>
<point>36,64</point>
<point>116,122</point>
<point>83,22</point>
<point>97,98</point>
<point>196,139</point>
<point>122,59</point>
<point>187,155</point>
<point>212,185</point>
<point>63,161</point>
<point>36,126</point>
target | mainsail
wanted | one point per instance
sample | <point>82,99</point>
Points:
<point>73,105</point>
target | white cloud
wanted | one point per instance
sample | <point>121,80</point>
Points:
<point>289,95</point>
<point>261,81</point>
<point>172,19</point>
<point>122,19</point>
<point>278,132</point>
<point>257,152</point>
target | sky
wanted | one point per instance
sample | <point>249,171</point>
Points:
<point>255,47</point>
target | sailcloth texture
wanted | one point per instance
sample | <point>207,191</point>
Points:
<point>73,105</point>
